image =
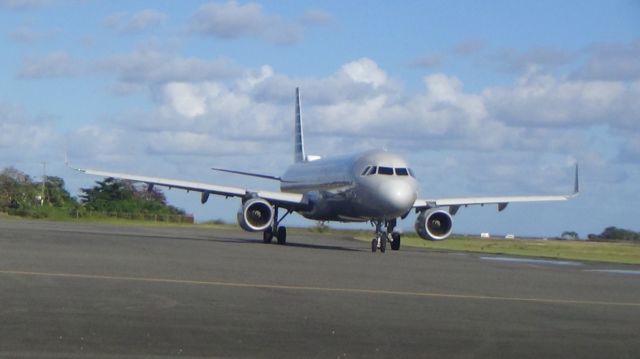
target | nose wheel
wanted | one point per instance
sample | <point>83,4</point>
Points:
<point>395,241</point>
<point>382,237</point>
<point>380,242</point>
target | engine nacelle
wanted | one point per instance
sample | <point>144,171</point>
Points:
<point>434,224</point>
<point>255,215</point>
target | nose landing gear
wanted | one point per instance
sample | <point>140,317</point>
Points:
<point>382,237</point>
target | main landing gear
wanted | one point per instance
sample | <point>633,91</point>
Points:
<point>280,232</point>
<point>382,237</point>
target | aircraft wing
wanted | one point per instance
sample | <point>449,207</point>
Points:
<point>285,200</point>
<point>502,201</point>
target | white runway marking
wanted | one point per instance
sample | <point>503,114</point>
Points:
<point>532,261</point>
<point>616,271</point>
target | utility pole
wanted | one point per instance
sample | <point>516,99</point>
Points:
<point>44,182</point>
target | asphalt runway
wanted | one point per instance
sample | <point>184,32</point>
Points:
<point>77,290</point>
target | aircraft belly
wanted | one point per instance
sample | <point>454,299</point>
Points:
<point>344,207</point>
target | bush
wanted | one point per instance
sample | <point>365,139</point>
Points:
<point>615,234</point>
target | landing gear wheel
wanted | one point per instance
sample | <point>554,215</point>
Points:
<point>267,235</point>
<point>374,245</point>
<point>395,241</point>
<point>383,242</point>
<point>282,235</point>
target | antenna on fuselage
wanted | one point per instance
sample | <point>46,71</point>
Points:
<point>299,155</point>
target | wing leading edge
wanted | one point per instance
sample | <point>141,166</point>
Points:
<point>291,201</point>
<point>502,201</point>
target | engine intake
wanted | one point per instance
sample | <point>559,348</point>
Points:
<point>434,224</point>
<point>255,215</point>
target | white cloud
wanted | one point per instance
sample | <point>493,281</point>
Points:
<point>252,79</point>
<point>188,100</point>
<point>359,106</point>
<point>23,138</point>
<point>128,23</point>
<point>366,71</point>
<point>543,100</point>
<point>232,20</point>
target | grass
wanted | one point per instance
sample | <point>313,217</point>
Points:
<point>611,252</point>
<point>623,253</point>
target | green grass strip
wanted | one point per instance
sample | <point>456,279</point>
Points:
<point>624,253</point>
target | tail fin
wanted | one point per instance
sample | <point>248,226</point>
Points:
<point>299,155</point>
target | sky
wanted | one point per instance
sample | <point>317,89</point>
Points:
<point>482,98</point>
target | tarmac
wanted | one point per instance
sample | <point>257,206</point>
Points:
<point>72,290</point>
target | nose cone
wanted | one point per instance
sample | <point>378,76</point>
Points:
<point>397,197</point>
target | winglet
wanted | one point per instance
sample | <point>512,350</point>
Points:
<point>299,155</point>
<point>66,160</point>
<point>576,184</point>
<point>66,156</point>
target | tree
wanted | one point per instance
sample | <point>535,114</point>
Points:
<point>569,235</point>
<point>112,195</point>
<point>16,189</point>
<point>615,234</point>
<point>56,194</point>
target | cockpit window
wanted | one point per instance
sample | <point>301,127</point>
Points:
<point>388,171</point>
<point>385,170</point>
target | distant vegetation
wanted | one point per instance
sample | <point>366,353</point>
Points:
<point>20,195</point>
<point>615,234</point>
<point>111,195</point>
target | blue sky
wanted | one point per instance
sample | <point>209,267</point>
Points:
<point>483,98</point>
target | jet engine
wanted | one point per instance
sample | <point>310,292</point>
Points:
<point>434,224</point>
<point>255,214</point>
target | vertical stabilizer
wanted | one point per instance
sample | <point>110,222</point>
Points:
<point>299,155</point>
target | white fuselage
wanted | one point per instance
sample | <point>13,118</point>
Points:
<point>372,185</point>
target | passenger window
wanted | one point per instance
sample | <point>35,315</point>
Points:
<point>385,171</point>
<point>366,170</point>
<point>402,172</point>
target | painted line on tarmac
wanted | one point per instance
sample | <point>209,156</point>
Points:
<point>316,289</point>
<point>615,271</point>
<point>531,261</point>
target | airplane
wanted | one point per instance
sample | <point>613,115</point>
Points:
<point>375,186</point>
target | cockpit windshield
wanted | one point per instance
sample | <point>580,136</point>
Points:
<point>387,171</point>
